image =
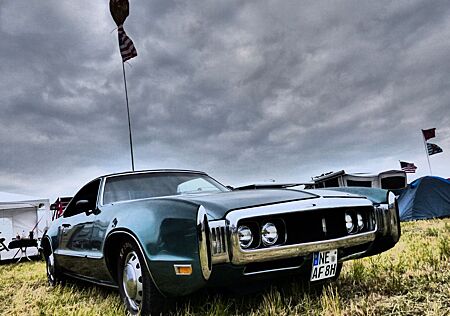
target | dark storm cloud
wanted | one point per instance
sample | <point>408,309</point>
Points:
<point>245,91</point>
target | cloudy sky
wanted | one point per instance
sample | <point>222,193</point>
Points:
<point>244,90</point>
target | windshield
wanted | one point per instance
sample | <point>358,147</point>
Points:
<point>147,185</point>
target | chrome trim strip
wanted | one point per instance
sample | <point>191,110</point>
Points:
<point>240,256</point>
<point>353,256</point>
<point>204,251</point>
<point>272,270</point>
<point>69,253</point>
<point>258,255</point>
<point>102,190</point>
<point>79,277</point>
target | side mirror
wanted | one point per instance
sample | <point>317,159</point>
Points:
<point>53,207</point>
<point>82,205</point>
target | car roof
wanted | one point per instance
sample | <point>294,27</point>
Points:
<point>151,171</point>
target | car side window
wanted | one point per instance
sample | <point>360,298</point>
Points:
<point>89,192</point>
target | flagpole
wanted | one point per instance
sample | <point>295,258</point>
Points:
<point>129,121</point>
<point>426,152</point>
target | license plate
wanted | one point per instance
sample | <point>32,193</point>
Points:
<point>324,265</point>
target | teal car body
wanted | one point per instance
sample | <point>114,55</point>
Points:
<point>186,229</point>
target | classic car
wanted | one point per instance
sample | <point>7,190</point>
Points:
<point>160,234</point>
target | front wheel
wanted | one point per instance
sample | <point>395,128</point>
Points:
<point>137,290</point>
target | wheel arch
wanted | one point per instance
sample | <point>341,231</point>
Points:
<point>112,248</point>
<point>46,246</point>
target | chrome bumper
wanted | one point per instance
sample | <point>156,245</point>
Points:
<point>388,220</point>
<point>240,256</point>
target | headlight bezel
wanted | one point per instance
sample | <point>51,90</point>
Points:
<point>270,228</point>
<point>359,222</point>
<point>349,221</point>
<point>247,229</point>
<point>256,226</point>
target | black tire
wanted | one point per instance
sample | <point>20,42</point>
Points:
<point>136,287</point>
<point>54,275</point>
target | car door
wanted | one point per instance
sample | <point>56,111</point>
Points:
<point>75,231</point>
<point>104,221</point>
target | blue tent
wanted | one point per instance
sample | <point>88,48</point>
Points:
<point>427,197</point>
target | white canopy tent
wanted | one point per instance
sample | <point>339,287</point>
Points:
<point>19,215</point>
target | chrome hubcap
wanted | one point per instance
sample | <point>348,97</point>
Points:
<point>132,280</point>
<point>50,267</point>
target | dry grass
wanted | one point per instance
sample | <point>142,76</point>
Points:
<point>24,291</point>
<point>411,279</point>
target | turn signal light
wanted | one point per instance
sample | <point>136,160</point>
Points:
<point>183,269</point>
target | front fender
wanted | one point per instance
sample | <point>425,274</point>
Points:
<point>51,236</point>
<point>166,230</point>
<point>388,225</point>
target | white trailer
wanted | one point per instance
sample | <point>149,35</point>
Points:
<point>22,216</point>
<point>390,179</point>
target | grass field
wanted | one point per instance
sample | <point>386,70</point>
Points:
<point>411,279</point>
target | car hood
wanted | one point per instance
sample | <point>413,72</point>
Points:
<point>375,195</point>
<point>325,193</point>
<point>219,204</point>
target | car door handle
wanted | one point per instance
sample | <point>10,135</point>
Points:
<point>66,225</point>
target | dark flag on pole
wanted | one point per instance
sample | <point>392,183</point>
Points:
<point>433,149</point>
<point>429,133</point>
<point>119,11</point>
<point>408,167</point>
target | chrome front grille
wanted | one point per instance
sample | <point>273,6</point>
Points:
<point>317,225</point>
<point>219,241</point>
<point>311,225</point>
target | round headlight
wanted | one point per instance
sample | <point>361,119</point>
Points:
<point>269,234</point>
<point>349,223</point>
<point>245,236</point>
<point>360,221</point>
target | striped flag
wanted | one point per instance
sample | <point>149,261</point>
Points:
<point>127,49</point>
<point>408,167</point>
<point>433,149</point>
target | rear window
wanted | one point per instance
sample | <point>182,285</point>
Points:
<point>391,183</point>
<point>356,183</point>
